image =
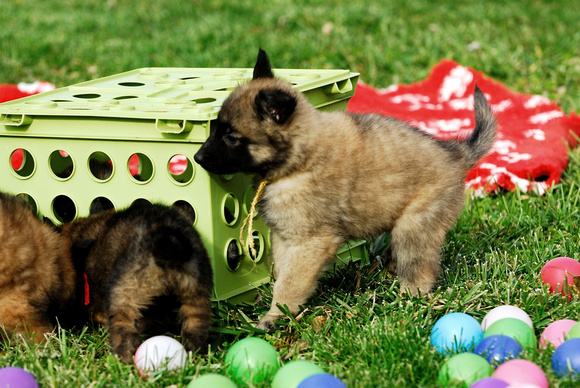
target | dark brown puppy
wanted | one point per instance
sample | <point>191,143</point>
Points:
<point>133,258</point>
<point>339,176</point>
<point>38,280</point>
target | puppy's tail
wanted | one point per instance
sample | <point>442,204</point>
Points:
<point>483,136</point>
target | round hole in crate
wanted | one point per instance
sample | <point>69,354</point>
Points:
<point>87,96</point>
<point>100,166</point>
<point>141,202</point>
<point>259,245</point>
<point>131,84</point>
<point>64,208</point>
<point>187,210</point>
<point>248,198</point>
<point>61,100</point>
<point>191,77</point>
<point>61,164</point>
<point>124,97</point>
<point>27,198</point>
<point>100,204</point>
<point>205,100</point>
<point>230,209</point>
<point>234,255</point>
<point>22,163</point>
<point>140,167</point>
<point>181,169</point>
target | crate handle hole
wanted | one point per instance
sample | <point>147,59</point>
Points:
<point>140,167</point>
<point>187,210</point>
<point>230,209</point>
<point>100,204</point>
<point>100,166</point>
<point>22,163</point>
<point>64,209</point>
<point>61,164</point>
<point>233,255</point>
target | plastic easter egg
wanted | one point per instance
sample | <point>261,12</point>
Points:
<point>521,372</point>
<point>498,348</point>
<point>566,359</point>
<point>160,352</point>
<point>574,331</point>
<point>559,273</point>
<point>13,376</point>
<point>293,373</point>
<point>252,360</point>
<point>514,328</point>
<point>556,332</point>
<point>505,311</point>
<point>489,382</point>
<point>455,332</point>
<point>212,380</point>
<point>322,380</point>
<point>464,368</point>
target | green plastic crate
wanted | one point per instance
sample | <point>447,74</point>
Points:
<point>152,116</point>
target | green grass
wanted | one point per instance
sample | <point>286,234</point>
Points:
<point>358,326</point>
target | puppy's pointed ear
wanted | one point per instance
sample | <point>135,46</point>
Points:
<point>275,104</point>
<point>263,69</point>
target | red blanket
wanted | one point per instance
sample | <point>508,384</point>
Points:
<point>531,150</point>
<point>12,92</point>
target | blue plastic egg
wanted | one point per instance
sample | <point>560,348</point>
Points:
<point>456,332</point>
<point>498,348</point>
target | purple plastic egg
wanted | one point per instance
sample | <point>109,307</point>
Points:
<point>14,376</point>
<point>490,382</point>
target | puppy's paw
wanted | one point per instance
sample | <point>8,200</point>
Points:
<point>127,347</point>
<point>194,341</point>
<point>267,323</point>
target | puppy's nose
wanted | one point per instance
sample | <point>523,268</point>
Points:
<point>198,157</point>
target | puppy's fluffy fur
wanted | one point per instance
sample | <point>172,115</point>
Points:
<point>339,176</point>
<point>136,256</point>
<point>38,279</point>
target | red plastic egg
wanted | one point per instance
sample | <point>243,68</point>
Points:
<point>559,274</point>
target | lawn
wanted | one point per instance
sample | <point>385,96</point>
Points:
<point>358,326</point>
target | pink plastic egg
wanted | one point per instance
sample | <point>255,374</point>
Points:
<point>521,372</point>
<point>556,332</point>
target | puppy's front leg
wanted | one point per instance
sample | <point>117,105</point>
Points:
<point>297,266</point>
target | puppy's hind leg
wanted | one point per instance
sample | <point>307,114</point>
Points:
<point>195,315</point>
<point>128,299</point>
<point>415,247</point>
<point>297,267</point>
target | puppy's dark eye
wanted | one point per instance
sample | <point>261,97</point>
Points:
<point>231,138</point>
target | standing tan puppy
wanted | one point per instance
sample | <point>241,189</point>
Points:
<point>337,176</point>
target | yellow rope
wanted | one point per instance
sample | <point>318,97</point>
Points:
<point>249,221</point>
